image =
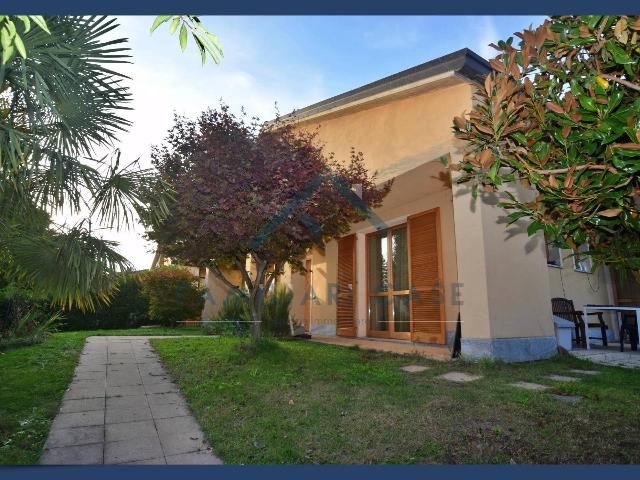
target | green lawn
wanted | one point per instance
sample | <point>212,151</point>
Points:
<point>32,382</point>
<point>303,402</point>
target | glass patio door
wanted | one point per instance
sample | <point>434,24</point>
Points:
<point>388,283</point>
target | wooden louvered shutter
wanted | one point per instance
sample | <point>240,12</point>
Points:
<point>345,318</point>
<point>427,306</point>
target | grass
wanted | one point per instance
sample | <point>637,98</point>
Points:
<point>303,402</point>
<point>33,380</point>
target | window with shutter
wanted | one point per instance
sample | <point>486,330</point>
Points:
<point>427,299</point>
<point>345,318</point>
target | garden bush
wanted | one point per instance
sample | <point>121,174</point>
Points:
<point>233,316</point>
<point>128,308</point>
<point>275,312</point>
<point>173,295</point>
<point>25,317</point>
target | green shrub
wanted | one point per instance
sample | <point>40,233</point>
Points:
<point>128,308</point>
<point>275,313</point>
<point>173,295</point>
<point>233,316</point>
<point>25,318</point>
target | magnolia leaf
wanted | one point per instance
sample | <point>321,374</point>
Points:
<point>587,103</point>
<point>611,212</point>
<point>534,227</point>
<point>554,107</point>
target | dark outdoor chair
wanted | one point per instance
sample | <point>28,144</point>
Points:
<point>563,308</point>
<point>629,326</point>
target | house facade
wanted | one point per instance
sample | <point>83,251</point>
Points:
<point>431,255</point>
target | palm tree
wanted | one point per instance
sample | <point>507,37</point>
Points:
<point>58,105</point>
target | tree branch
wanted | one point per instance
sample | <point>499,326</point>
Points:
<point>621,81</point>
<point>277,271</point>
<point>218,273</point>
<point>243,271</point>
<point>588,166</point>
<point>261,266</point>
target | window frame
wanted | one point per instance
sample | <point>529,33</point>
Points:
<point>587,258</point>
<point>547,248</point>
<point>390,293</point>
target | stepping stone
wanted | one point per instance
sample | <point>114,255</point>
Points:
<point>414,368</point>
<point>460,377</point>
<point>585,372</point>
<point>562,378</point>
<point>529,386</point>
<point>566,398</point>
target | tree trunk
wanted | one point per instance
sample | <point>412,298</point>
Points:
<point>256,302</point>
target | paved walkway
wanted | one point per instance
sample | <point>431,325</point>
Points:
<point>610,356</point>
<point>123,408</point>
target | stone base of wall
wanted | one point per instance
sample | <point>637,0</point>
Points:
<point>323,330</point>
<point>522,349</point>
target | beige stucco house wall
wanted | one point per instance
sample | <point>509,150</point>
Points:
<point>495,279</point>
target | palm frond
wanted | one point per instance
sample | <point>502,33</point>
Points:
<point>74,268</point>
<point>63,97</point>
<point>125,193</point>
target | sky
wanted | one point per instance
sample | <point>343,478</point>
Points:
<point>294,61</point>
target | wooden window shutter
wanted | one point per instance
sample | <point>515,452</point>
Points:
<point>345,315</point>
<point>427,306</point>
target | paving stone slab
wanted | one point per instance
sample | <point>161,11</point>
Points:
<point>125,391</point>
<point>165,399</point>
<point>132,450</point>
<point>460,377</point>
<point>90,375</point>
<point>151,461</point>
<point>66,437</point>
<point>123,431</point>
<point>107,414</point>
<point>155,380</point>
<point>131,414</point>
<point>585,372</point>
<point>414,368</point>
<point>176,425</point>
<point>88,384</point>
<point>566,398</point>
<point>123,380</point>
<point>75,455</point>
<point>194,458</point>
<point>82,405</point>
<point>75,393</point>
<point>562,378</point>
<point>79,419</point>
<point>160,388</point>
<point>176,443</point>
<point>130,401</point>
<point>529,386</point>
<point>169,410</point>
<point>91,368</point>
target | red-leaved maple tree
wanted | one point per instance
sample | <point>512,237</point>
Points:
<point>267,192</point>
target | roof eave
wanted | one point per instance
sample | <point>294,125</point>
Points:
<point>464,64</point>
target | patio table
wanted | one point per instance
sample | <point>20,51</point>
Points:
<point>611,308</point>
